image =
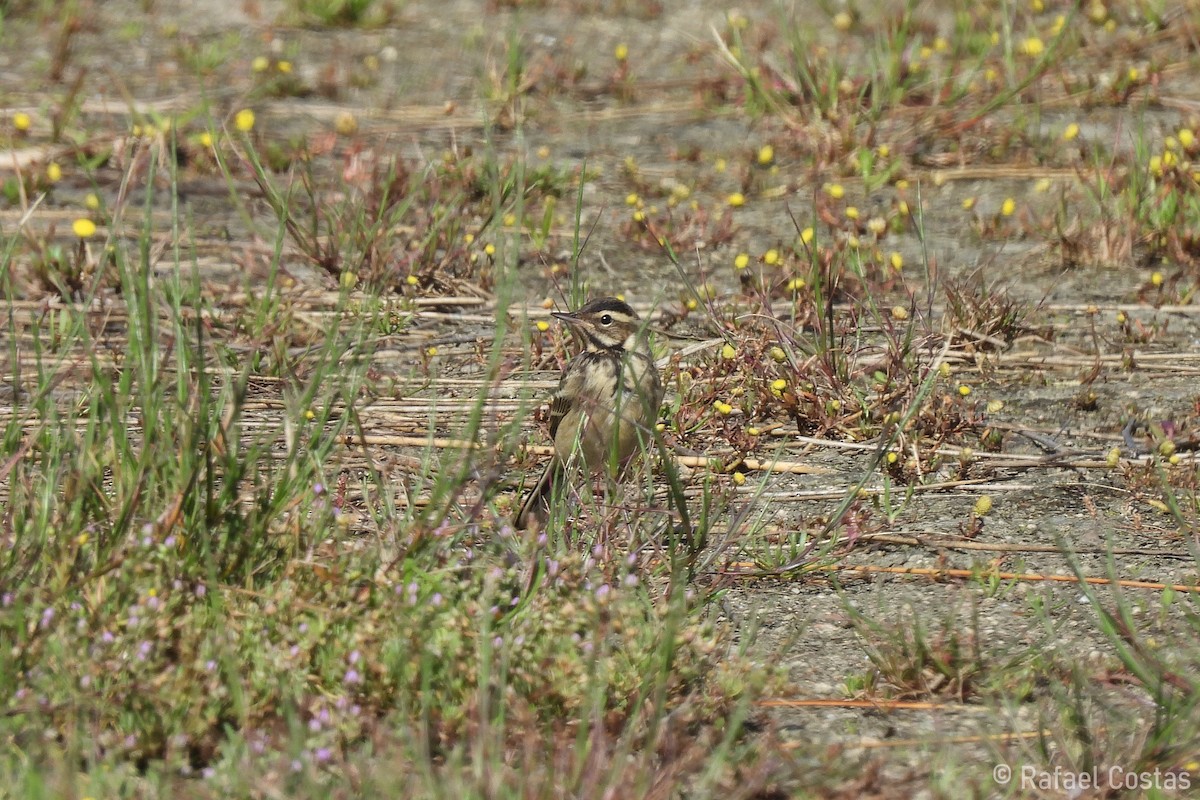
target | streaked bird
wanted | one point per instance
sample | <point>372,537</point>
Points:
<point>605,405</point>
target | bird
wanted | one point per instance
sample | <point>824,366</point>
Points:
<point>606,403</point>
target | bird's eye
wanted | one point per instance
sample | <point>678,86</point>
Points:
<point>606,319</point>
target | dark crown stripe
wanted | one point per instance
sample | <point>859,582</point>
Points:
<point>607,304</point>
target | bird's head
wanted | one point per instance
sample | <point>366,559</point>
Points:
<point>604,324</point>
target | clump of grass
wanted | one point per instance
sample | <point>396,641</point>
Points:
<point>987,315</point>
<point>342,13</point>
<point>911,662</point>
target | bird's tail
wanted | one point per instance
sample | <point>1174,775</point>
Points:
<point>536,505</point>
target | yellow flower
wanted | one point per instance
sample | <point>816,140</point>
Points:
<point>741,261</point>
<point>766,154</point>
<point>1009,207</point>
<point>349,278</point>
<point>1186,138</point>
<point>778,385</point>
<point>722,408</point>
<point>1113,458</point>
<point>1070,132</point>
<point>205,139</point>
<point>778,355</point>
<point>431,351</point>
<point>639,216</point>
<point>897,261</point>
<point>412,280</point>
<point>621,52</point>
<point>728,351</point>
<point>995,406</point>
<point>22,121</point>
<point>883,151</point>
<point>244,120</point>
<point>842,21</point>
<point>771,257</point>
<point>84,228</point>
<point>309,415</point>
<point>53,172</point>
<point>719,165</point>
<point>92,201</point>
<point>835,190</point>
<point>899,313</point>
<point>1042,186</point>
<point>795,284</point>
<point>345,123</point>
<point>964,390</point>
<point>851,212</point>
<point>260,64</point>
<point>739,478</point>
<point>284,66</point>
<point>543,326</point>
<point>1121,318</point>
<point>968,203</point>
<point>632,199</point>
<point>736,199</point>
<point>1033,46</point>
<point>1156,279</point>
<point>852,242</point>
<point>806,235</point>
<point>753,431</point>
<point>983,505</point>
<point>1156,165</point>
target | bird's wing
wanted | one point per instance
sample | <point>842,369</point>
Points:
<point>559,406</point>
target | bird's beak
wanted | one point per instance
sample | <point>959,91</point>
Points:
<point>574,325</point>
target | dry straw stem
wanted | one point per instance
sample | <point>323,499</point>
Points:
<point>980,739</point>
<point>939,574</point>
<point>918,539</point>
<point>751,464</point>
<point>882,705</point>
